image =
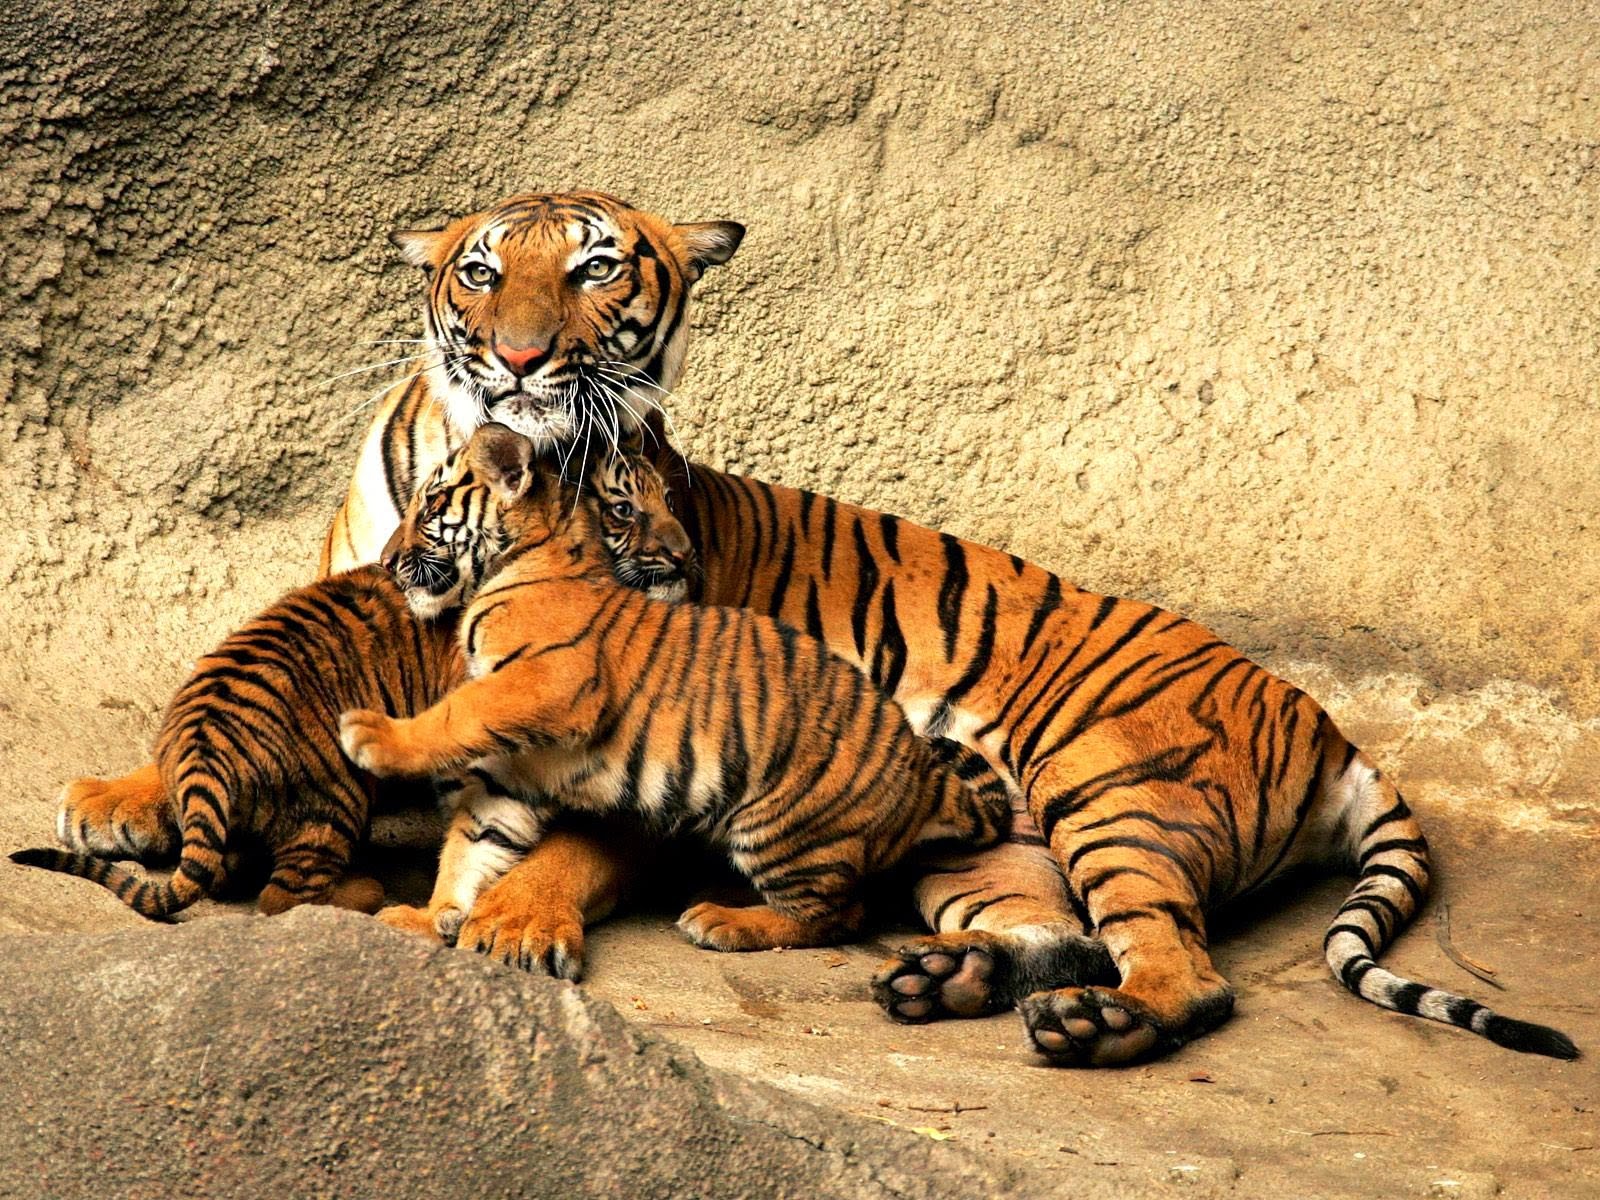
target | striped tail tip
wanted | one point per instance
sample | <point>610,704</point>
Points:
<point>48,858</point>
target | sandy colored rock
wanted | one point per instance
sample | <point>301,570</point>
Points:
<point>336,1057</point>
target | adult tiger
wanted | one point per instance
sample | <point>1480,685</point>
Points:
<point>1164,772</point>
<point>561,316</point>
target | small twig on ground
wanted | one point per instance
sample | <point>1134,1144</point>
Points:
<point>1475,969</point>
<point>957,1108</point>
<point>1341,1132</point>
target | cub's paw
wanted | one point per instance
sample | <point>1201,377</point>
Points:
<point>370,740</point>
<point>118,818</point>
<point>359,893</point>
<point>1093,1027</point>
<point>550,942</point>
<point>948,975</point>
<point>717,927</point>
<point>411,920</point>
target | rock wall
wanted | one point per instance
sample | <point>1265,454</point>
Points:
<point>1283,317</point>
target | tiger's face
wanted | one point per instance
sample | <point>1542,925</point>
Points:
<point>494,490</point>
<point>561,316</point>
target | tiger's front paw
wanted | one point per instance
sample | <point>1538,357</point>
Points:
<point>410,920</point>
<point>371,741</point>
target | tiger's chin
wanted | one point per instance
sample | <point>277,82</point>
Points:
<point>672,590</point>
<point>545,423</point>
<point>428,605</point>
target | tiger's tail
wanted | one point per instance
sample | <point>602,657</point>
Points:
<point>974,802</point>
<point>1391,858</point>
<point>204,804</point>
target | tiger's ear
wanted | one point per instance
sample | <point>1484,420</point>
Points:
<point>708,243</point>
<point>503,459</point>
<point>421,247</point>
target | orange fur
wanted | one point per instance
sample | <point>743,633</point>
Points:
<point>585,694</point>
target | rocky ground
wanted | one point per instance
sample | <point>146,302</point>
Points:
<point>358,1059</point>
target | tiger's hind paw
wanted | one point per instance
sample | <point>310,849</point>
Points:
<point>118,818</point>
<point>1094,1027</point>
<point>948,975</point>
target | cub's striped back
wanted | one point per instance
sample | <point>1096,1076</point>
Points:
<point>584,694</point>
<point>249,745</point>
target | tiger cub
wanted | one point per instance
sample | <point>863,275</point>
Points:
<point>583,694</point>
<point>248,751</point>
<point>249,748</point>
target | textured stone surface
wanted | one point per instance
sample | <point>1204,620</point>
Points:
<point>322,1054</point>
<point>1288,321</point>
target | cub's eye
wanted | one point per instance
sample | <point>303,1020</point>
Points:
<point>597,269</point>
<point>623,511</point>
<point>478,275</point>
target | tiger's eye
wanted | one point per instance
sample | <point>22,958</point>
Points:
<point>478,275</point>
<point>622,510</point>
<point>597,268</point>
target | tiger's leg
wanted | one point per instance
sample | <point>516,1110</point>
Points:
<point>1004,928</point>
<point>490,832</point>
<point>492,714</point>
<point>306,869</point>
<point>808,884</point>
<point>763,927</point>
<point>1137,877</point>
<point>534,917</point>
<point>127,817</point>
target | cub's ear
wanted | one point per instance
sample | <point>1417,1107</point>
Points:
<point>708,243</point>
<point>422,247</point>
<point>503,459</point>
<point>631,442</point>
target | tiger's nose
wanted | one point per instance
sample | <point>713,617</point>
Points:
<point>521,360</point>
<point>389,556</point>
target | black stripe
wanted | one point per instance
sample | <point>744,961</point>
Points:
<point>1048,603</point>
<point>1398,813</point>
<point>1415,846</point>
<point>780,587</point>
<point>979,662</point>
<point>866,587</point>
<point>813,611</point>
<point>1409,883</point>
<point>829,515</point>
<point>1335,930</point>
<point>1142,844</point>
<point>889,660</point>
<point>939,912</point>
<point>1354,971</point>
<point>952,591</point>
<point>972,912</point>
<point>889,530</point>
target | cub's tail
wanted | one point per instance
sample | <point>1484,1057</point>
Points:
<point>203,802</point>
<point>975,805</point>
<point>1391,857</point>
<point>134,888</point>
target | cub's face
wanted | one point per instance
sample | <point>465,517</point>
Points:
<point>560,316</point>
<point>492,492</point>
<point>649,548</point>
